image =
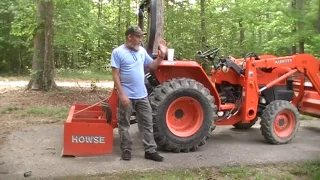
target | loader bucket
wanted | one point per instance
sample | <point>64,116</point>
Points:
<point>310,101</point>
<point>87,133</point>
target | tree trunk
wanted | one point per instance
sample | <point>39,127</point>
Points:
<point>48,71</point>
<point>42,77</point>
<point>294,30</point>
<point>269,33</point>
<point>119,21</point>
<point>241,37</point>
<point>128,11</point>
<point>300,7</point>
<point>99,17</point>
<point>160,24</point>
<point>252,42</point>
<point>318,21</point>
<point>241,29</point>
<point>203,24</point>
<point>205,64</point>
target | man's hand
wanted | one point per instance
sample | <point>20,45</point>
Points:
<point>124,100</point>
<point>162,51</point>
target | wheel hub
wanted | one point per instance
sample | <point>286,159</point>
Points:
<point>284,124</point>
<point>184,116</point>
<point>281,122</point>
<point>179,113</point>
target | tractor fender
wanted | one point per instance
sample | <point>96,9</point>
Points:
<point>186,69</point>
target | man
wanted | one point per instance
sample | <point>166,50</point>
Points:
<point>129,64</point>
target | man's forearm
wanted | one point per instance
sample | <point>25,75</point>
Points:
<point>116,80</point>
<point>155,63</point>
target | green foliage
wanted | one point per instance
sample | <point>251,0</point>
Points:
<point>85,32</point>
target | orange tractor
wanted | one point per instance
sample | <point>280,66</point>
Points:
<point>187,104</point>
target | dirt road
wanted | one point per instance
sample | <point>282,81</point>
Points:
<point>38,149</point>
<point>6,86</point>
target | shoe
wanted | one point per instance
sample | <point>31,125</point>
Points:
<point>126,155</point>
<point>153,156</point>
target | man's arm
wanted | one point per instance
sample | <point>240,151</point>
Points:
<point>154,64</point>
<point>115,65</point>
<point>116,80</point>
<point>162,51</point>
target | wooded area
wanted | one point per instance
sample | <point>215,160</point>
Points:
<point>80,34</point>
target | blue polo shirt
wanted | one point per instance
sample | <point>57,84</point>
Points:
<point>131,65</point>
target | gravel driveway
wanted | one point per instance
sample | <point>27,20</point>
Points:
<point>38,149</point>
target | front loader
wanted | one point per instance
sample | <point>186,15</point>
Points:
<point>188,104</point>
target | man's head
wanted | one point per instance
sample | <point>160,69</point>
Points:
<point>134,36</point>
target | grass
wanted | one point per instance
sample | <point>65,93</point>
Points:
<point>306,117</point>
<point>308,170</point>
<point>8,109</point>
<point>66,75</point>
<point>84,75</point>
<point>4,77</point>
<point>311,169</point>
<point>58,112</point>
<point>36,115</point>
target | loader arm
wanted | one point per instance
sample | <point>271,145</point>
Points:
<point>306,64</point>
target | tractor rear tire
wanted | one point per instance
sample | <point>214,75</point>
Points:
<point>279,122</point>
<point>183,114</point>
<point>240,125</point>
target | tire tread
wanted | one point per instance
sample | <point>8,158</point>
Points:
<point>160,94</point>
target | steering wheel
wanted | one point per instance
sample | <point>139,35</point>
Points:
<point>209,54</point>
<point>224,63</point>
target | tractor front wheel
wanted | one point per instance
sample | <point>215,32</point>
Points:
<point>279,122</point>
<point>183,114</point>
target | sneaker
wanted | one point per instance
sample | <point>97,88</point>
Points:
<point>126,155</point>
<point>153,156</point>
